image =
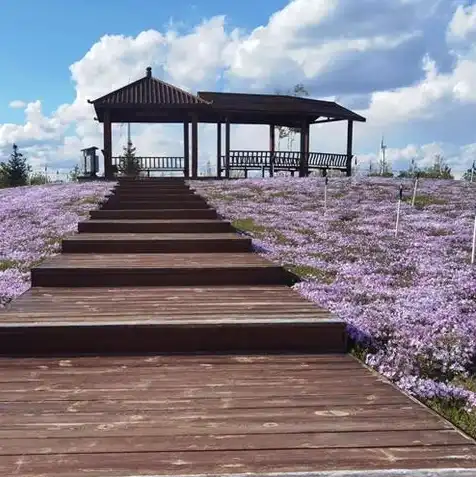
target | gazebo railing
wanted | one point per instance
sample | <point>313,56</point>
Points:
<point>285,160</point>
<point>157,163</point>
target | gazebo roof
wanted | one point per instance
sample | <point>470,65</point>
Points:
<point>148,91</point>
<point>152,100</point>
<point>279,104</point>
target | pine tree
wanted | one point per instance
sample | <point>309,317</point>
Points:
<point>128,163</point>
<point>15,171</point>
<point>74,173</point>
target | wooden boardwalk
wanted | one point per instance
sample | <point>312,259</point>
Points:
<point>157,343</point>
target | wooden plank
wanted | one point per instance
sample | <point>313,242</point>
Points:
<point>226,294</point>
<point>132,425</point>
<point>171,418</point>
<point>154,205</point>
<point>155,226</point>
<point>237,442</point>
<point>178,214</point>
<point>248,361</point>
<point>140,316</point>
<point>142,403</point>
<point>156,261</point>
<point>172,337</point>
<point>232,462</point>
<point>122,243</point>
<point>157,237</point>
<point>49,393</point>
<point>169,381</point>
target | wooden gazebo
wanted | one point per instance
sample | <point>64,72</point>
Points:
<point>150,100</point>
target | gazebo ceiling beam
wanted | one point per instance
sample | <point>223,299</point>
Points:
<point>180,121</point>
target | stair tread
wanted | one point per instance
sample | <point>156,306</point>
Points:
<point>132,211</point>
<point>93,237</point>
<point>154,221</point>
<point>157,261</point>
<point>168,305</point>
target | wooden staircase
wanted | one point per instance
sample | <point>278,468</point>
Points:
<point>157,343</point>
<point>155,270</point>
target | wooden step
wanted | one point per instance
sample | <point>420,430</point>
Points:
<point>185,269</point>
<point>161,214</point>
<point>148,180</point>
<point>156,243</point>
<point>153,186</point>
<point>154,226</point>
<point>153,204</point>
<point>206,319</point>
<point>162,336</point>
<point>172,196</point>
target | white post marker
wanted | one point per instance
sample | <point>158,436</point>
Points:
<point>473,251</point>
<point>415,187</point>
<point>472,172</point>
<point>399,203</point>
<point>326,180</point>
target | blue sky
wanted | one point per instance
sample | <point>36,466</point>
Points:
<point>408,66</point>
<point>50,35</point>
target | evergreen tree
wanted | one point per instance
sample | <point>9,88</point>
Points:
<point>15,171</point>
<point>74,173</point>
<point>470,174</point>
<point>128,163</point>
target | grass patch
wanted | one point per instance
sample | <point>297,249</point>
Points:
<point>321,275</point>
<point>422,201</point>
<point>456,414</point>
<point>6,264</point>
<point>249,225</point>
<point>279,194</point>
<point>439,232</point>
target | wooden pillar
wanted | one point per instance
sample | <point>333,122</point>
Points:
<point>305,132</point>
<point>350,129</point>
<point>227,149</point>
<point>302,150</point>
<point>272,146</point>
<point>308,138</point>
<point>219,149</point>
<point>107,139</point>
<point>186,149</point>
<point>194,146</point>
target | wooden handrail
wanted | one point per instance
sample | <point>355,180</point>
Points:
<point>157,163</point>
<point>286,160</point>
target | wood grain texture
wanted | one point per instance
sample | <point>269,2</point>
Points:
<point>157,213</point>
<point>156,243</point>
<point>183,415</point>
<point>154,226</point>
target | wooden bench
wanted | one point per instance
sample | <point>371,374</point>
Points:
<point>284,161</point>
<point>150,164</point>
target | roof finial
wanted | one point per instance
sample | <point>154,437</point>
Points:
<point>148,72</point>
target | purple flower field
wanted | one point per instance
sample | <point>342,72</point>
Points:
<point>32,222</point>
<point>410,301</point>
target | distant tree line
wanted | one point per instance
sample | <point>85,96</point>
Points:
<point>438,170</point>
<point>16,172</point>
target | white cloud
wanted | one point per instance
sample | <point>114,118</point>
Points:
<point>17,104</point>
<point>304,41</point>
<point>463,22</point>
